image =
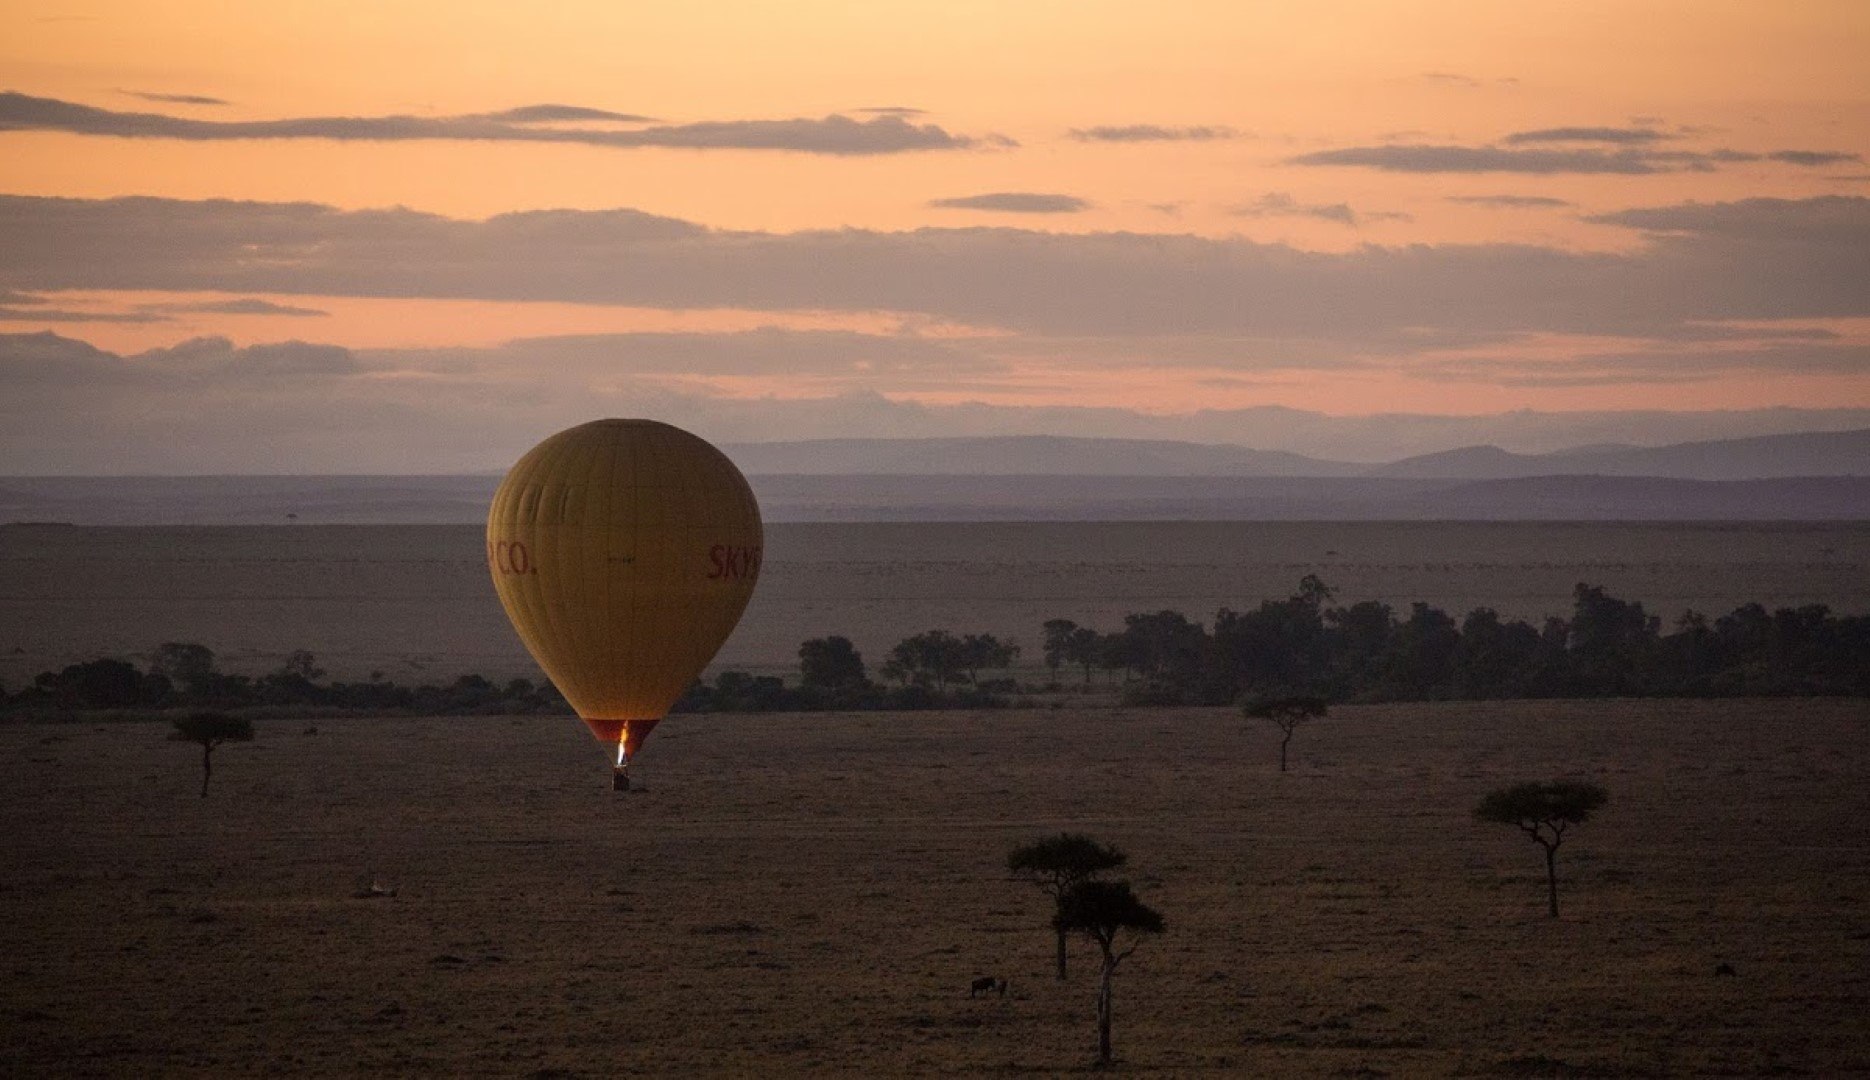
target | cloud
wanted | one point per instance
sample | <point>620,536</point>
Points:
<point>1015,202</point>
<point>239,306</point>
<point>834,135</point>
<point>1426,158</point>
<point>1151,133</point>
<point>547,113</point>
<point>45,358</point>
<point>1813,158</point>
<point>56,315</point>
<point>1280,204</point>
<point>1451,78</point>
<point>1825,221</point>
<point>1755,259</point>
<point>30,307</point>
<point>1513,202</point>
<point>762,351</point>
<point>175,99</point>
<point>1654,366</point>
<point>1620,136</point>
<point>1439,158</point>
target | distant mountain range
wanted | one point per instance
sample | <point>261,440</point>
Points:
<point>1844,453</point>
<point>1819,476</point>
<point>1023,455</point>
<point>369,500</point>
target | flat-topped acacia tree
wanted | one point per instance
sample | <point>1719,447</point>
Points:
<point>1543,811</point>
<point>211,729</point>
<point>1056,864</point>
<point>1286,713</point>
<point>1101,910</point>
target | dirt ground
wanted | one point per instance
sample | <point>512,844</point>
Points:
<point>813,894</point>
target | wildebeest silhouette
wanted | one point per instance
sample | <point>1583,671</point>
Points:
<point>986,984</point>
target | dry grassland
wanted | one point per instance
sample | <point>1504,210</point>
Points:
<point>811,895</point>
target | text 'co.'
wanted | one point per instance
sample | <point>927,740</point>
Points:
<point>510,557</point>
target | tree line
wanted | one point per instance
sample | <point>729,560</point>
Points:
<point>1305,646</point>
<point>1301,647</point>
<point>184,675</point>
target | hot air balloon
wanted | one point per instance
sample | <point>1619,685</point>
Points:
<point>624,552</point>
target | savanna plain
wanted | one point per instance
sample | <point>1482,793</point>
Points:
<point>813,894</point>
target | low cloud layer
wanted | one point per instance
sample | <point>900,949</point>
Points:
<point>884,133</point>
<point>175,99</point>
<point>1511,202</point>
<point>1619,136</point>
<point>1131,133</point>
<point>1015,202</point>
<point>245,305</point>
<point>1756,259</point>
<point>1281,204</point>
<point>1549,161</point>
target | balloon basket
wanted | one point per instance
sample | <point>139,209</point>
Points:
<point>619,780</point>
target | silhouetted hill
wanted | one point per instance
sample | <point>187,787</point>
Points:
<point>262,500</point>
<point>1827,453</point>
<point>1024,455</point>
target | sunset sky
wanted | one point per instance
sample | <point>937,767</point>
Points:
<point>418,236</point>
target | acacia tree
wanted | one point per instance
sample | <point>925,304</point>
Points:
<point>1100,910</point>
<point>1056,865</point>
<point>1286,713</point>
<point>1544,812</point>
<point>211,729</point>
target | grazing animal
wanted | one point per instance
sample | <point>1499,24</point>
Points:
<point>986,984</point>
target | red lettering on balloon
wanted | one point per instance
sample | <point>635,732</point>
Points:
<point>733,563</point>
<point>510,557</point>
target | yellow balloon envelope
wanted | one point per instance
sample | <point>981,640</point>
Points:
<point>624,551</point>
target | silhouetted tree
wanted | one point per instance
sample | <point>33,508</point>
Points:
<point>985,652</point>
<point>934,656</point>
<point>1611,641</point>
<point>1279,648</point>
<point>1286,713</point>
<point>211,729</point>
<point>1498,659</point>
<point>1086,649</point>
<point>187,664</point>
<point>1056,864</point>
<point>102,684</point>
<point>1544,812</point>
<point>1101,910</point>
<point>1419,662</point>
<point>1057,648</point>
<point>1358,636</point>
<point>831,663</point>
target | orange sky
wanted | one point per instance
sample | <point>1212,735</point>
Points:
<point>1704,77</point>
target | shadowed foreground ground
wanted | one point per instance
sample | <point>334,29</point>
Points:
<point>812,894</point>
